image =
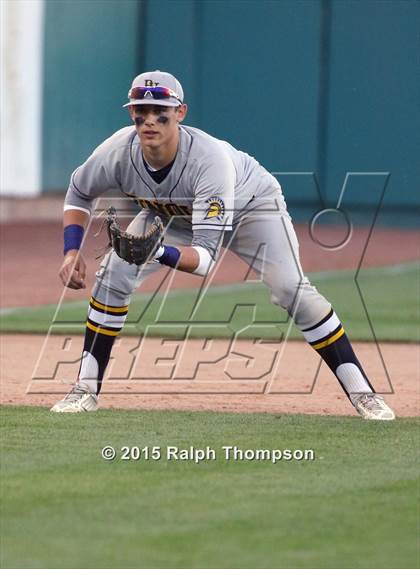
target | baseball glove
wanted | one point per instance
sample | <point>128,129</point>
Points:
<point>135,249</point>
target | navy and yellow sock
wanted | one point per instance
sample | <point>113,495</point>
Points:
<point>103,325</point>
<point>329,339</point>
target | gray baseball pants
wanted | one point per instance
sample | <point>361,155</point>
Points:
<point>264,239</point>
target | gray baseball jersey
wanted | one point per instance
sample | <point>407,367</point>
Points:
<point>208,188</point>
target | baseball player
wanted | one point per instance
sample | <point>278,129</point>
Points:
<point>208,195</point>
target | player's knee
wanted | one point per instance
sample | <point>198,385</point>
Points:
<point>285,294</point>
<point>302,301</point>
<point>284,301</point>
<point>116,279</point>
<point>292,290</point>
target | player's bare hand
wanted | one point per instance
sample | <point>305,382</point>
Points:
<point>73,270</point>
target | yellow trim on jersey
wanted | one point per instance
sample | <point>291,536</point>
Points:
<point>102,330</point>
<point>330,340</point>
<point>111,308</point>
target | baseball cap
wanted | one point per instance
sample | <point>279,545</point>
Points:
<point>155,79</point>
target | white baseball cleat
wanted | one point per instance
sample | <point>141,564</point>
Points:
<point>372,406</point>
<point>79,400</point>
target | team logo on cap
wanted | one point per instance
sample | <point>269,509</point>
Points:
<point>150,83</point>
<point>215,209</point>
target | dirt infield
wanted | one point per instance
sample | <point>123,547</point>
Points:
<point>165,377</point>
<point>29,277</point>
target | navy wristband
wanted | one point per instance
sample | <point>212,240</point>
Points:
<point>170,256</point>
<point>73,236</point>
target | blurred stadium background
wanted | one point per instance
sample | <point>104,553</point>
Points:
<point>305,86</point>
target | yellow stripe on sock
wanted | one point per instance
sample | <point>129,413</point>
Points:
<point>330,340</point>
<point>102,330</point>
<point>110,308</point>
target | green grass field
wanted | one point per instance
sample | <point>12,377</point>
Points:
<point>391,296</point>
<point>353,507</point>
<point>63,506</point>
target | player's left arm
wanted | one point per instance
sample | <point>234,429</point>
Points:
<point>189,259</point>
<point>212,213</point>
<point>201,256</point>
<point>195,259</point>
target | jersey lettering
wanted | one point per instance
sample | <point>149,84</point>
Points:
<point>168,209</point>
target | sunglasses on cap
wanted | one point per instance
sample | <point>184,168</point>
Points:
<point>152,92</point>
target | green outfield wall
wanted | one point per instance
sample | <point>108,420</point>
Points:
<point>304,86</point>
<point>90,54</point>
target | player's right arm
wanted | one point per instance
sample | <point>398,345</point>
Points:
<point>73,269</point>
<point>92,179</point>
